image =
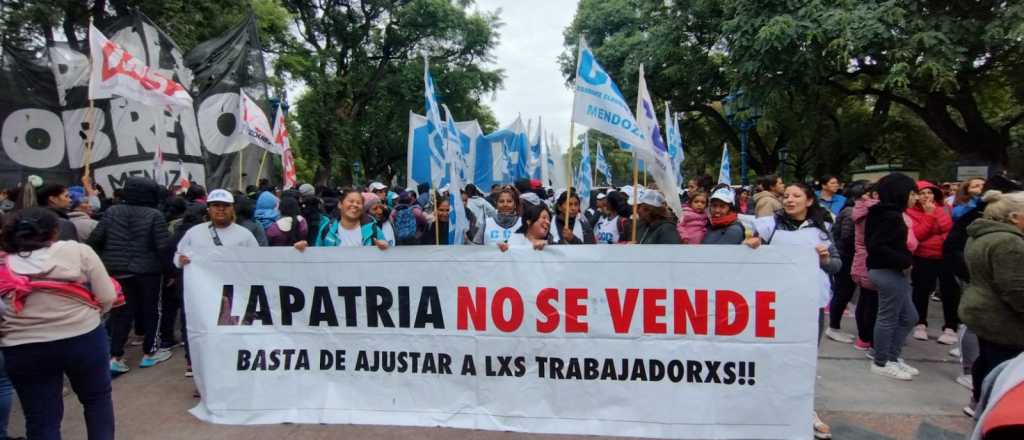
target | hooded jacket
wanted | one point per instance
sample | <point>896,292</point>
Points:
<point>266,210</point>
<point>766,203</point>
<point>692,226</point>
<point>993,302</point>
<point>859,268</point>
<point>885,230</point>
<point>930,228</point>
<point>132,238</point>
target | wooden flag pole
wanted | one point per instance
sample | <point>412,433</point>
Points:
<point>636,197</point>
<point>90,117</point>
<point>263,161</point>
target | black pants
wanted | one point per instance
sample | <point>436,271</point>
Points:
<point>842,292</point>
<point>142,295</point>
<point>37,372</point>
<point>170,307</point>
<point>924,275</point>
<point>990,355</point>
<point>866,314</point>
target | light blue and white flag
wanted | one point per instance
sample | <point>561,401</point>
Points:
<point>458,223</point>
<point>675,143</point>
<point>726,170</point>
<point>536,161</point>
<point>555,166</point>
<point>435,131</point>
<point>419,160</point>
<point>679,159</point>
<point>509,155</point>
<point>600,105</point>
<point>602,165</point>
<point>584,176</point>
<point>655,151</point>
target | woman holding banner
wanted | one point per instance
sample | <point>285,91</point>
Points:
<point>534,232</point>
<point>803,222</point>
<point>724,226</point>
<point>350,227</point>
<point>499,229</point>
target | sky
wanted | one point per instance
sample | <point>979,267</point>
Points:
<point>531,40</point>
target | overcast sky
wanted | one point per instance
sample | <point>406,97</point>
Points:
<point>531,40</point>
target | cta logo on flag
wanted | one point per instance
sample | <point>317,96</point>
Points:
<point>599,103</point>
<point>117,72</point>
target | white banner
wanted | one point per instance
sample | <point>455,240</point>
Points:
<point>647,341</point>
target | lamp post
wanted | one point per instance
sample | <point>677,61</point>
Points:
<point>742,114</point>
<point>783,156</point>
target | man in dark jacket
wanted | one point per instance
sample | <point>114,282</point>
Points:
<point>58,199</point>
<point>131,239</point>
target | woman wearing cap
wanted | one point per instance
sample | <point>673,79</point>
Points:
<point>350,227</point>
<point>577,230</point>
<point>932,224</point>
<point>724,226</point>
<point>499,228</point>
<point>55,332</point>
<point>654,226</point>
<point>535,231</point>
<point>805,223</point>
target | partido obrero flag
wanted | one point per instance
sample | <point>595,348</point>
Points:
<point>602,165</point>
<point>600,105</point>
<point>725,171</point>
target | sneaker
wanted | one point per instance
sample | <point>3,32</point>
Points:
<point>172,345</point>
<point>821,430</point>
<point>969,411</point>
<point>948,337</point>
<point>188,370</point>
<point>861,345</point>
<point>157,357</point>
<point>965,381</point>
<point>921,332</point>
<point>935,297</point>
<point>955,352</point>
<point>838,336</point>
<point>118,367</point>
<point>891,370</point>
<point>903,365</point>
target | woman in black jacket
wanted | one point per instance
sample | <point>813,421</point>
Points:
<point>888,261</point>
<point>843,287</point>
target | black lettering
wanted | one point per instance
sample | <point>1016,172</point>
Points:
<point>260,361</point>
<point>469,367</point>
<point>445,363</point>
<point>693,370</point>
<point>608,370</point>
<point>556,368</point>
<point>520,366</point>
<point>339,360</point>
<point>415,362</point>
<point>227,296</point>
<point>378,301</point>
<point>675,371</point>
<point>275,360</point>
<point>429,364</point>
<point>349,294</point>
<point>303,362</point>
<point>639,372</point>
<point>429,310</point>
<point>403,306</point>
<point>656,370</point>
<point>362,364</point>
<point>258,307</point>
<point>574,371</point>
<point>730,373</point>
<point>292,300</point>
<point>712,372</point>
<point>326,359</point>
<point>243,360</point>
<point>590,369</point>
<point>322,308</point>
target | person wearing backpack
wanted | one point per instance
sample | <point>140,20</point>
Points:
<point>407,220</point>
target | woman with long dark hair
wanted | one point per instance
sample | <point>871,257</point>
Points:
<point>55,292</point>
<point>349,225</point>
<point>577,230</point>
<point>498,229</point>
<point>535,231</point>
<point>290,228</point>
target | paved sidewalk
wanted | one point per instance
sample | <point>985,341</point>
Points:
<point>153,403</point>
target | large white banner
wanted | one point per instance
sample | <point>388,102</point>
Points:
<point>647,341</point>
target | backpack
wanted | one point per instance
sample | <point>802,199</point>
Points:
<point>405,224</point>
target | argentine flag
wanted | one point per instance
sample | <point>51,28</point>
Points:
<point>726,170</point>
<point>435,130</point>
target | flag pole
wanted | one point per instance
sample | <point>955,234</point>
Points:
<point>241,167</point>
<point>437,221</point>
<point>90,116</point>
<point>263,161</point>
<point>636,197</point>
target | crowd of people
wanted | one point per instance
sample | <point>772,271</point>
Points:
<point>896,244</point>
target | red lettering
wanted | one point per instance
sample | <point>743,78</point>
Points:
<point>470,308</point>
<point>622,314</point>
<point>724,299</point>
<point>764,302</point>
<point>685,312</point>
<point>501,296</point>
<point>573,310</point>
<point>546,309</point>
<point>654,309</point>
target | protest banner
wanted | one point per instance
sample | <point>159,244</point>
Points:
<point>647,341</point>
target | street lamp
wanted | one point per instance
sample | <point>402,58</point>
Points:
<point>783,156</point>
<point>742,114</point>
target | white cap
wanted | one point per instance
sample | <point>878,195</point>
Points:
<point>220,196</point>
<point>377,186</point>
<point>652,198</point>
<point>601,196</point>
<point>726,195</point>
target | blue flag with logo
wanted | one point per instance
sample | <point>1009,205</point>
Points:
<point>458,223</point>
<point>600,105</point>
<point>435,129</point>
<point>726,170</point>
<point>584,182</point>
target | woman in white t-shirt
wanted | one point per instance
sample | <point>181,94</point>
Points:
<point>350,227</point>
<point>534,232</point>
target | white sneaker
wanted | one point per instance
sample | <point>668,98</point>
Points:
<point>891,370</point>
<point>838,336</point>
<point>921,332</point>
<point>965,381</point>
<point>955,352</point>
<point>948,337</point>
<point>910,370</point>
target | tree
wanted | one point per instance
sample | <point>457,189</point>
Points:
<point>955,65</point>
<point>361,63</point>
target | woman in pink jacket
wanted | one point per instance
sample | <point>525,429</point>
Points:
<point>932,222</point>
<point>693,224</point>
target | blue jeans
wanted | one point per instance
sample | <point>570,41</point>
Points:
<point>37,371</point>
<point>6,396</point>
<point>896,314</point>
